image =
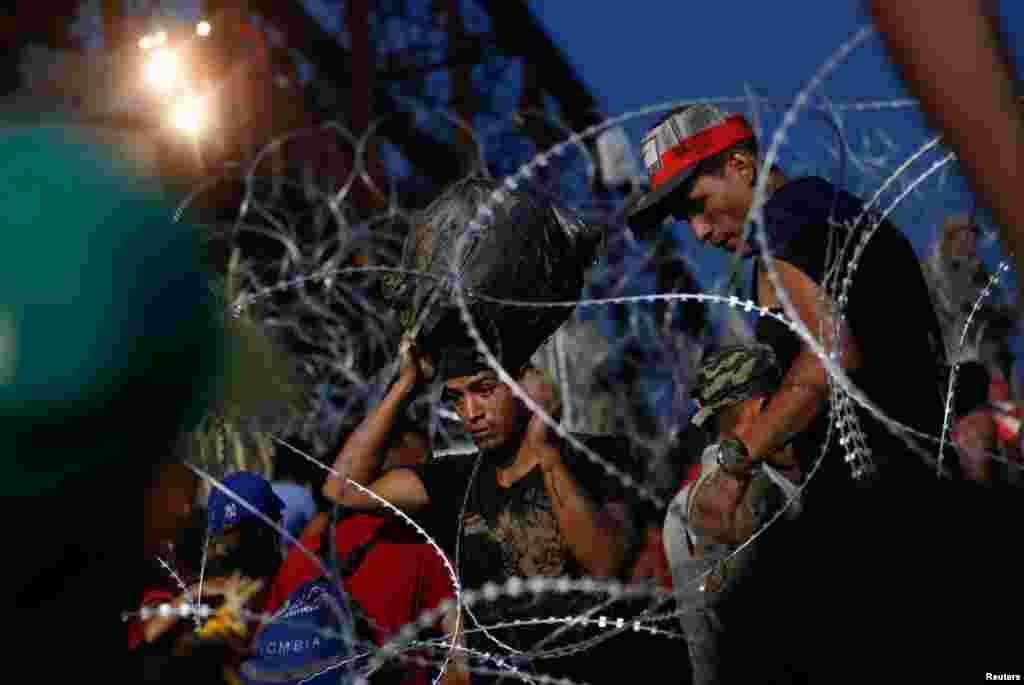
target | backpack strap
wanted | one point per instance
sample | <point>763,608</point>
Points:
<point>347,566</point>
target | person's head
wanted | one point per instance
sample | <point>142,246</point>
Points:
<point>733,385</point>
<point>959,238</point>
<point>169,504</point>
<point>239,539</point>
<point>703,166</point>
<point>492,415</point>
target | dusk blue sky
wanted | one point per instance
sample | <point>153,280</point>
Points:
<point>645,52</point>
<point>632,54</point>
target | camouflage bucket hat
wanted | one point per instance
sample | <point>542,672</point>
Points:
<point>732,375</point>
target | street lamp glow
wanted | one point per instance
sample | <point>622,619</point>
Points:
<point>203,29</point>
<point>162,69</point>
<point>189,115</point>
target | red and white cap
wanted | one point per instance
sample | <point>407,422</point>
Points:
<point>672,150</point>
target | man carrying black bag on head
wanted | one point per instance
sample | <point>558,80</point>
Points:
<point>527,503</point>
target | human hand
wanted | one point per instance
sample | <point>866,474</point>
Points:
<point>976,437</point>
<point>542,390</point>
<point>415,366</point>
<point>229,621</point>
<point>976,431</point>
<point>540,437</point>
<point>714,500</point>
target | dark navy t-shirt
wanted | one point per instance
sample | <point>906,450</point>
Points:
<point>889,312</point>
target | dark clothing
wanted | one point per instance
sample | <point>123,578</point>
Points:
<point>889,313</point>
<point>514,531</point>
<point>871,572</point>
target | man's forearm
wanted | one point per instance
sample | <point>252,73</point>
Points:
<point>595,537</point>
<point>361,457</point>
<point>797,403</point>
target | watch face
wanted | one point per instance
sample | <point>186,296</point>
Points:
<point>728,454</point>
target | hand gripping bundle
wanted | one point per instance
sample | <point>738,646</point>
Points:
<point>521,247</point>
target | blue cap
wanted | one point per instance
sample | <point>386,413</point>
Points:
<point>224,511</point>
<point>312,639</point>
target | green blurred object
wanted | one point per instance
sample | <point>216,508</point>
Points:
<point>110,343</point>
<point>262,394</point>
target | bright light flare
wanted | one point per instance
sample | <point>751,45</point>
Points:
<point>162,69</point>
<point>189,114</point>
<point>160,38</point>
<point>203,29</point>
<point>146,42</point>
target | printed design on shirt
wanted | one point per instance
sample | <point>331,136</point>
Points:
<point>532,543</point>
<point>474,524</point>
<point>523,541</point>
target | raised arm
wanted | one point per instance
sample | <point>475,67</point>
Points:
<point>804,391</point>
<point>362,455</point>
<point>594,531</point>
<point>953,58</point>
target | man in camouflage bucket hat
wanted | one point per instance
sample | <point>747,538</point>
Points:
<point>721,507</point>
<point>733,375</point>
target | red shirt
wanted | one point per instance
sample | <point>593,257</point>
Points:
<point>160,588</point>
<point>152,598</point>
<point>400,577</point>
<point>653,561</point>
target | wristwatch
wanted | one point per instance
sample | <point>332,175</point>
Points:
<point>732,452</point>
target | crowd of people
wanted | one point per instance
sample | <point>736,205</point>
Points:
<point>756,545</point>
<point>820,534</point>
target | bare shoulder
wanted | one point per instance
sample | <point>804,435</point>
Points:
<point>798,285</point>
<point>814,309</point>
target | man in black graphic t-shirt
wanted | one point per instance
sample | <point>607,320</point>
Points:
<point>527,504</point>
<point>876,564</point>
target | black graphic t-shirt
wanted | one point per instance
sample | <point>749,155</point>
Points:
<point>889,312</point>
<point>514,531</point>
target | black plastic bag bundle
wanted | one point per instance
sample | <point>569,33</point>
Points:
<point>526,249</point>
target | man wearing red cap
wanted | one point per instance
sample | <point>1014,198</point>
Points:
<point>704,169</point>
